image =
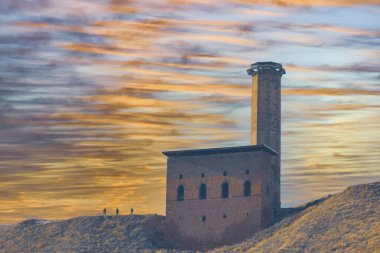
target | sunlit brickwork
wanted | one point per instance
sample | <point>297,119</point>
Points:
<point>203,220</point>
<point>266,113</point>
<point>194,223</point>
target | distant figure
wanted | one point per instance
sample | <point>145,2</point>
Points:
<point>117,211</point>
<point>131,210</point>
<point>104,211</point>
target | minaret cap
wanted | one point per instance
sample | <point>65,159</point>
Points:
<point>265,66</point>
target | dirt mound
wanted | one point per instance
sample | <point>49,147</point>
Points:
<point>133,233</point>
<point>346,222</point>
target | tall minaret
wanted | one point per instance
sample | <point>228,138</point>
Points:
<point>266,114</point>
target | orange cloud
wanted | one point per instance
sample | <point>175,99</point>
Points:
<point>224,39</point>
<point>96,93</point>
<point>327,92</point>
<point>328,68</point>
<point>308,2</point>
<point>348,30</point>
<point>256,12</point>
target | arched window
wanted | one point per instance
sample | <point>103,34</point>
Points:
<point>202,191</point>
<point>180,193</point>
<point>247,188</point>
<point>224,189</point>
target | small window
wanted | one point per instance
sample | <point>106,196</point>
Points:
<point>202,191</point>
<point>224,216</point>
<point>180,193</point>
<point>225,173</point>
<point>203,218</point>
<point>247,188</point>
<point>224,190</point>
<point>247,172</point>
<point>180,176</point>
<point>203,175</point>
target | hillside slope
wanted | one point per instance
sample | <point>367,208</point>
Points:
<point>347,222</point>
<point>133,233</point>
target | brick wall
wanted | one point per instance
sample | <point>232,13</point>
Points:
<point>269,121</point>
<point>227,220</point>
<point>266,118</point>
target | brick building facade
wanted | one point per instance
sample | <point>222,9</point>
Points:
<point>219,196</point>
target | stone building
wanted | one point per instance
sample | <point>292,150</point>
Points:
<point>219,196</point>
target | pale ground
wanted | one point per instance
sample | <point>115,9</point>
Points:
<point>134,233</point>
<point>346,222</point>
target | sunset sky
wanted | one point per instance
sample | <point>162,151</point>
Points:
<point>91,93</point>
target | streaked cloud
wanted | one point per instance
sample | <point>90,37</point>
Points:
<point>329,92</point>
<point>359,67</point>
<point>317,3</point>
<point>91,93</point>
<point>257,12</point>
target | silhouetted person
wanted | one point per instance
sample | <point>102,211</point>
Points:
<point>104,211</point>
<point>131,210</point>
<point>117,211</point>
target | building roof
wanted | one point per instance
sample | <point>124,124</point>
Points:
<point>225,150</point>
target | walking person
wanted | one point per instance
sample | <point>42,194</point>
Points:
<point>117,211</point>
<point>131,211</point>
<point>104,211</point>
